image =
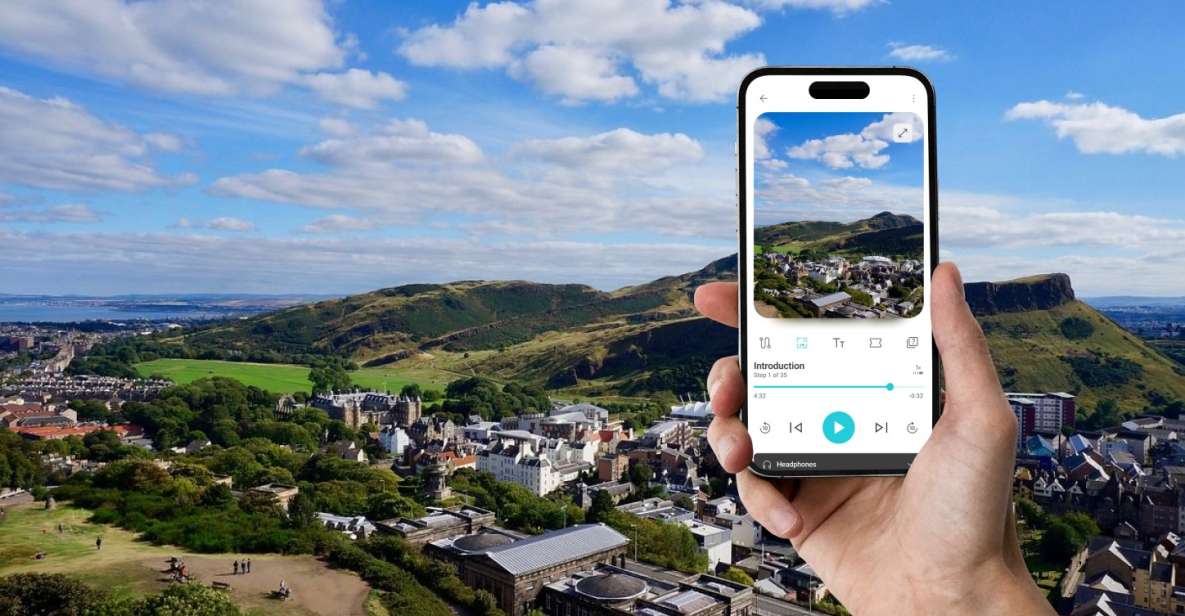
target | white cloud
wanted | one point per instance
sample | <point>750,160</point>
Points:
<point>842,151</point>
<point>839,7</point>
<point>783,196</point>
<point>76,213</point>
<point>338,222</point>
<point>620,151</point>
<point>919,53</point>
<point>177,45</point>
<point>404,172</point>
<point>1075,96</point>
<point>216,48</point>
<point>883,129</point>
<point>165,142</point>
<point>336,127</point>
<point>404,141</point>
<point>762,130</point>
<point>995,221</point>
<point>356,87</point>
<point>574,73</point>
<point>230,223</point>
<point>1098,128</point>
<point>170,262</point>
<point>864,150</point>
<point>53,143</point>
<point>679,48</point>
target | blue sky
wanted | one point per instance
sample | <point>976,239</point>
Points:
<point>836,167</point>
<point>339,146</point>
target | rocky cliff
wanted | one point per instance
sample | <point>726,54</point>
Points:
<point>1040,292</point>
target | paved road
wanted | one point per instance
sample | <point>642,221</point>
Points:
<point>766,606</point>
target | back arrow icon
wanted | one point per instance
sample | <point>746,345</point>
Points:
<point>761,98</point>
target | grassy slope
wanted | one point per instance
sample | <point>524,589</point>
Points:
<point>288,378</point>
<point>120,566</point>
<point>1031,343</point>
<point>881,234</point>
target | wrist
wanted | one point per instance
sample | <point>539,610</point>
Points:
<point>990,589</point>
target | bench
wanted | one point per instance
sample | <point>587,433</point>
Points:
<point>216,585</point>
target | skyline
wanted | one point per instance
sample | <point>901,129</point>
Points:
<point>340,147</point>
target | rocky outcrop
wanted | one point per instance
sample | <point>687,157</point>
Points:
<point>1031,293</point>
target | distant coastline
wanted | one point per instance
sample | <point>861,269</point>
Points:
<point>68,309</point>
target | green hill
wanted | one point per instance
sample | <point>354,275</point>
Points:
<point>1043,339</point>
<point>647,339</point>
<point>635,339</point>
<point>885,233</point>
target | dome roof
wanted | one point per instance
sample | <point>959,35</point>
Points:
<point>481,542</point>
<point>611,586</point>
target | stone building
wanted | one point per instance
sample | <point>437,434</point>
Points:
<point>438,524</point>
<point>515,571</point>
<point>358,408</point>
<point>280,493</point>
<point>607,590</point>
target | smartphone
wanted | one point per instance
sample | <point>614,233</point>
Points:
<point>838,198</point>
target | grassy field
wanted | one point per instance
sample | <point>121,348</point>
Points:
<point>289,378</point>
<point>128,567</point>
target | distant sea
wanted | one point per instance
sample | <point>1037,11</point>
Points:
<point>69,313</point>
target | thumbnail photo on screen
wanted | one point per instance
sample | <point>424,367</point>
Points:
<point>838,215</point>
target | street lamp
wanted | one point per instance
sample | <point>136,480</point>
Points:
<point>635,527</point>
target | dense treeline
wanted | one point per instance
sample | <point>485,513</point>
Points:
<point>478,396</point>
<point>1102,370</point>
<point>43,594</point>
<point>660,543</point>
<point>226,412</point>
<point>403,594</point>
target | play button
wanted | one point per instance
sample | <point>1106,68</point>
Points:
<point>838,427</point>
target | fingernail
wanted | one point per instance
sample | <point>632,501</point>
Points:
<point>783,520</point>
<point>713,385</point>
<point>725,446</point>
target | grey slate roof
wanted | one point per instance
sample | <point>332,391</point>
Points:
<point>555,547</point>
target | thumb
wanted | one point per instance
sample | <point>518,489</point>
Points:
<point>972,387</point>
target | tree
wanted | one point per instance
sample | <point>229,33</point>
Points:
<point>641,475</point>
<point>684,501</point>
<point>37,594</point>
<point>484,602</point>
<point>1031,513</point>
<point>1060,542</point>
<point>327,378</point>
<point>189,599</point>
<point>602,504</point>
<point>1082,524</point>
<point>737,575</point>
<point>412,390</point>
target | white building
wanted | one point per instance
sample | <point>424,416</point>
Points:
<point>394,440</point>
<point>694,412</point>
<point>479,431</point>
<point>535,462</point>
<point>713,540</point>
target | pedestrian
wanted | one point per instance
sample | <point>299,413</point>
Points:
<point>60,528</point>
<point>98,543</point>
<point>248,565</point>
<point>236,567</point>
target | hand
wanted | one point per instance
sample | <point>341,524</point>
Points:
<point>942,539</point>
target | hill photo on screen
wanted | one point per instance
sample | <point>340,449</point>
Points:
<point>838,215</point>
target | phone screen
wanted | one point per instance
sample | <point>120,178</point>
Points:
<point>835,268</point>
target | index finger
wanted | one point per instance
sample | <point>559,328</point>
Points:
<point>718,301</point>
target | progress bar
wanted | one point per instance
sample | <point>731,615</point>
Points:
<point>886,387</point>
